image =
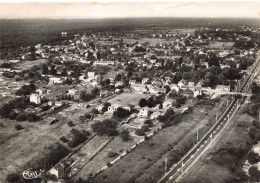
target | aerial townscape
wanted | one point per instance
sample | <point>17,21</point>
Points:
<point>145,100</point>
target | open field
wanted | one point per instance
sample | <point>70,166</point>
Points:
<point>128,98</point>
<point>147,159</point>
<point>220,45</point>
<point>219,159</point>
<point>26,65</point>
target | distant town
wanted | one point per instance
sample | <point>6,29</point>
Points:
<point>127,106</point>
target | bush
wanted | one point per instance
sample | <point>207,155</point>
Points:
<point>13,177</point>
<point>121,113</point>
<point>106,127</point>
<point>109,164</point>
<point>87,115</point>
<point>64,139</point>
<point>31,117</point>
<point>18,127</point>
<point>124,134</point>
<point>139,132</point>
<point>253,157</point>
<point>254,173</point>
<point>21,117</point>
<point>145,128</point>
<point>58,153</point>
<point>78,137</point>
<point>148,122</point>
<point>12,115</point>
<point>70,124</point>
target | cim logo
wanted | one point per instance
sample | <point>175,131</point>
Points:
<point>31,174</point>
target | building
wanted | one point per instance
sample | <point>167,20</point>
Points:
<point>91,75</point>
<point>35,98</point>
<point>73,91</point>
<point>222,88</point>
<point>145,80</point>
<point>144,112</point>
<point>55,80</point>
<point>114,108</point>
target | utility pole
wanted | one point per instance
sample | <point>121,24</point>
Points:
<point>197,135</point>
<point>227,102</point>
<point>165,167</point>
<point>217,117</point>
<point>182,165</point>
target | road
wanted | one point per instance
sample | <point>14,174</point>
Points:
<point>179,169</point>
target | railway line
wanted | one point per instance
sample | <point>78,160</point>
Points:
<point>178,170</point>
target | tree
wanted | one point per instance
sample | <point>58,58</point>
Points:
<point>21,117</point>
<point>44,69</point>
<point>18,127</point>
<point>121,113</point>
<point>254,173</point>
<point>213,60</point>
<point>139,132</point>
<point>98,55</point>
<point>167,88</point>
<point>255,88</point>
<point>124,134</point>
<point>142,102</point>
<point>12,115</point>
<point>106,127</point>
<point>253,157</point>
<point>31,117</point>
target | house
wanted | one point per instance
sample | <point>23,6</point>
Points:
<point>51,103</point>
<point>103,93</point>
<point>182,83</point>
<point>73,91</point>
<point>222,88</point>
<point>119,83</point>
<point>57,170</point>
<point>114,108</point>
<point>199,84</point>
<point>144,112</point>
<point>35,98</point>
<point>145,80</point>
<point>91,75</point>
<point>55,80</point>
<point>197,93</point>
<point>191,84</point>
<point>175,87</point>
<point>132,82</point>
<point>167,103</point>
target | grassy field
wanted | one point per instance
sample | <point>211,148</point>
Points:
<point>145,163</point>
<point>216,165</point>
<point>127,98</point>
<point>220,45</point>
<point>26,65</point>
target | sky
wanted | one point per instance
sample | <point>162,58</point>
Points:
<point>133,9</point>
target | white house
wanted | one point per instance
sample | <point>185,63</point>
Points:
<point>55,80</point>
<point>73,91</point>
<point>119,83</point>
<point>145,80</point>
<point>91,75</point>
<point>222,88</point>
<point>114,108</point>
<point>144,112</point>
<point>175,87</point>
<point>35,98</point>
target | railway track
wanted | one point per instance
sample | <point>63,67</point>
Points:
<point>177,171</point>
